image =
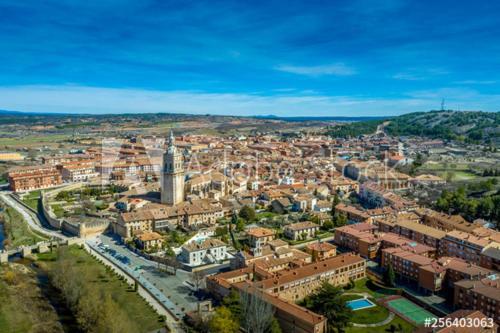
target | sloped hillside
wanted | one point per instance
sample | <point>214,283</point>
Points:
<point>461,125</point>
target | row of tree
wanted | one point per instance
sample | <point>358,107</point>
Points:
<point>457,202</point>
<point>491,173</point>
<point>95,308</point>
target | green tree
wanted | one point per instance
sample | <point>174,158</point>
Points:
<point>247,213</point>
<point>223,321</point>
<point>275,327</point>
<point>328,301</point>
<point>327,225</point>
<point>233,224</point>
<point>335,202</point>
<point>390,276</point>
<point>339,219</point>
<point>232,302</point>
<point>240,225</point>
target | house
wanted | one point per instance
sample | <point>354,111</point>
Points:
<point>323,206</point>
<point>321,250</point>
<point>301,230</point>
<point>149,240</point>
<point>207,251</point>
<point>281,205</point>
<point>304,202</point>
<point>258,237</point>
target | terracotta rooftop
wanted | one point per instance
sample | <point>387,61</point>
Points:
<point>260,232</point>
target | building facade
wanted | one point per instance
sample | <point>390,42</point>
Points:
<point>172,182</point>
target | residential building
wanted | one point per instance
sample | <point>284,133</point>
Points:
<point>24,179</point>
<point>444,221</point>
<point>301,230</point>
<point>259,237</point>
<point>78,171</point>
<point>321,250</point>
<point>464,245</point>
<point>430,275</point>
<point>149,240</point>
<point>208,251</point>
<point>283,290</point>
<point>482,295</point>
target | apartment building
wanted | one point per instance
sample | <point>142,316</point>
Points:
<point>359,238</point>
<point>78,171</point>
<point>160,217</point>
<point>420,233</point>
<point>297,283</point>
<point>490,256</point>
<point>363,238</point>
<point>464,245</point>
<point>444,221</point>
<point>430,275</point>
<point>482,295</point>
<point>408,225</point>
<point>283,290</point>
<point>33,178</point>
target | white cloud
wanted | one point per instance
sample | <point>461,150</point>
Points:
<point>79,99</point>
<point>338,69</point>
<point>475,82</point>
<point>414,74</point>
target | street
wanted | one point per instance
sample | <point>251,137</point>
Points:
<point>174,290</point>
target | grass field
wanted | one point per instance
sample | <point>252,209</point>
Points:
<point>449,171</point>
<point>409,310</point>
<point>396,322</point>
<point>367,286</point>
<point>31,199</point>
<point>58,210</point>
<point>34,140</point>
<point>101,278</point>
<point>17,231</point>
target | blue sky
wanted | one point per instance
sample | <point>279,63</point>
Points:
<point>288,58</point>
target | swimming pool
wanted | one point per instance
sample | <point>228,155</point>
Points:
<point>359,304</point>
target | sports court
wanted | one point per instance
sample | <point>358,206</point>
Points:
<point>409,310</point>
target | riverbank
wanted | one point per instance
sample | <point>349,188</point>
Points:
<point>96,293</point>
<point>23,306</point>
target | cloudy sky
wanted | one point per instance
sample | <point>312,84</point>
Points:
<point>288,58</point>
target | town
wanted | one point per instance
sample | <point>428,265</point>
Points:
<point>249,166</point>
<point>271,231</point>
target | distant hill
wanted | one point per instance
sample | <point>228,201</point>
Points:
<point>320,118</point>
<point>448,125</point>
<point>474,126</point>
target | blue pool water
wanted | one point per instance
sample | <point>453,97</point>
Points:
<point>359,304</point>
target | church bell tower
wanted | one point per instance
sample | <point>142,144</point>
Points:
<point>172,180</point>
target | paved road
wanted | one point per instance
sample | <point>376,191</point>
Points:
<point>31,218</point>
<point>178,290</point>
